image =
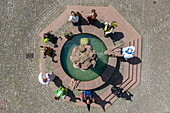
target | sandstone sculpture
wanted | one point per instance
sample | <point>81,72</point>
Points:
<point>83,57</point>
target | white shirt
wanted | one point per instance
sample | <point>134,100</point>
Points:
<point>49,77</point>
<point>74,19</point>
<point>127,52</point>
<point>108,31</point>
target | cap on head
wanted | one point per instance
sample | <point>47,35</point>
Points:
<point>114,24</point>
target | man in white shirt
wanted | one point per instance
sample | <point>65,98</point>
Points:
<point>126,52</point>
<point>73,18</point>
<point>46,79</point>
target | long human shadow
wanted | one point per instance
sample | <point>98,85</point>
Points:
<point>134,60</point>
<point>116,36</point>
<point>127,95</point>
<point>57,81</point>
<point>72,96</point>
<point>82,21</point>
<point>120,94</point>
<point>101,102</point>
<point>98,24</point>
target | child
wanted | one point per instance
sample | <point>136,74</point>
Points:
<point>87,97</point>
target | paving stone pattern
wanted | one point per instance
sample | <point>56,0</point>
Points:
<point>22,20</point>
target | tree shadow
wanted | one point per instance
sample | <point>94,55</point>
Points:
<point>72,96</point>
<point>101,102</point>
<point>98,24</point>
<point>120,93</point>
<point>134,60</point>
<point>116,36</point>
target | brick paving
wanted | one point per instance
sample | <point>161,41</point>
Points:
<point>22,21</point>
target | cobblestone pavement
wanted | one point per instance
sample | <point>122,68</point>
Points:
<point>22,20</point>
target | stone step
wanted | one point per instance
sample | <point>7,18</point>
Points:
<point>132,72</point>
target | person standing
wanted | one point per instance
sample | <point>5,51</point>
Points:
<point>46,79</point>
<point>74,18</point>
<point>88,97</point>
<point>61,92</point>
<point>47,51</point>
<point>108,28</point>
<point>92,17</point>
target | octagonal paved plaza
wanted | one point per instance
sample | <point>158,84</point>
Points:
<point>125,32</point>
<point>22,22</point>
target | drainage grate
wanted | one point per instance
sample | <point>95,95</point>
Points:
<point>29,55</point>
<point>3,105</point>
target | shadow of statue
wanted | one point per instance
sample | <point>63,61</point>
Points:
<point>115,79</point>
<point>116,36</point>
<point>98,24</point>
<point>99,64</point>
<point>72,96</point>
<point>121,93</point>
<point>134,60</point>
<point>101,102</point>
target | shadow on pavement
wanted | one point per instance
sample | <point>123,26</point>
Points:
<point>115,79</point>
<point>121,93</point>
<point>116,36</point>
<point>101,102</point>
<point>57,81</point>
<point>98,24</point>
<point>72,96</point>
<point>134,60</point>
